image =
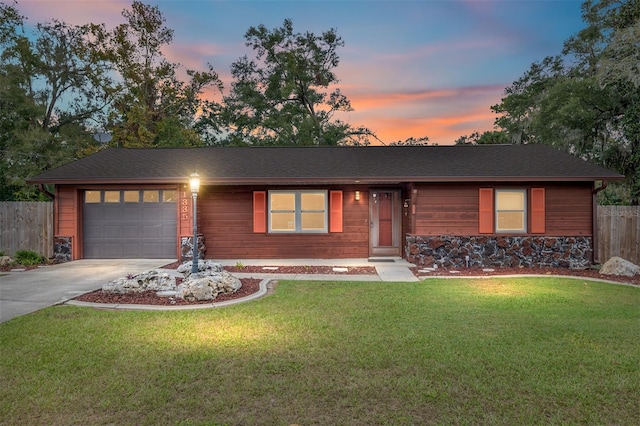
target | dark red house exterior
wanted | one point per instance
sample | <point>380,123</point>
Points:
<point>485,205</point>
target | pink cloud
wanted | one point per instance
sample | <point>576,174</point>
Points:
<point>76,12</point>
<point>443,114</point>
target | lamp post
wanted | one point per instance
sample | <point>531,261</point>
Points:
<point>194,183</point>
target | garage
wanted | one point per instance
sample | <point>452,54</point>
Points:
<point>130,224</point>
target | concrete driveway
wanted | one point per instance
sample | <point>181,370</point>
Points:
<point>25,292</point>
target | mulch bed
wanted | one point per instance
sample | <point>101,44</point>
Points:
<point>249,287</point>
<point>326,270</point>
<point>589,273</point>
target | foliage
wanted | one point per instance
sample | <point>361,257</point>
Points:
<point>423,141</point>
<point>587,100</point>
<point>495,137</point>
<point>282,98</point>
<point>442,351</point>
<point>49,89</point>
<point>152,106</point>
<point>28,258</point>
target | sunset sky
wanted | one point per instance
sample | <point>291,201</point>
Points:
<point>410,68</point>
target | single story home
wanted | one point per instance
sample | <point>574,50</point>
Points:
<point>451,206</point>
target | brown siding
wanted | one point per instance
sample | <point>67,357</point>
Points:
<point>452,209</point>
<point>66,217</point>
<point>569,210</point>
<point>225,217</point>
<point>447,209</point>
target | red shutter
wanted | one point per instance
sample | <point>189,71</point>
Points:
<point>259,211</point>
<point>537,211</point>
<point>335,211</point>
<point>486,211</point>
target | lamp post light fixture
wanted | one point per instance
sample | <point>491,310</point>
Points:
<point>194,183</point>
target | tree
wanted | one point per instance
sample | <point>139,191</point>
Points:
<point>495,137</point>
<point>50,89</point>
<point>587,100</point>
<point>282,97</point>
<point>152,106</point>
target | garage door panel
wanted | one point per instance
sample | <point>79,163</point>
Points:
<point>129,229</point>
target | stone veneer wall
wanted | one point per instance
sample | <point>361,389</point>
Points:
<point>496,251</point>
<point>186,248</point>
<point>62,249</point>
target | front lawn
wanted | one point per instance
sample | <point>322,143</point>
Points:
<point>443,351</point>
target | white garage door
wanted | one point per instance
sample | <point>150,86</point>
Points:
<point>130,224</point>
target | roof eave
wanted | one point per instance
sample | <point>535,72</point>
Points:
<point>321,180</point>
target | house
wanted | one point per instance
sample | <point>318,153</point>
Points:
<point>486,205</point>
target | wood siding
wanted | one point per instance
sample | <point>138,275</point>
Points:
<point>453,209</point>
<point>67,217</point>
<point>225,218</point>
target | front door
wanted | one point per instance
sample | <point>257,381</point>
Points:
<point>385,223</point>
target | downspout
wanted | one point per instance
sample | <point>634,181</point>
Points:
<point>596,255</point>
<point>45,191</point>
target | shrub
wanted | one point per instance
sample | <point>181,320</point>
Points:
<point>28,258</point>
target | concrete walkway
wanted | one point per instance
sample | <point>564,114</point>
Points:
<point>388,269</point>
<point>25,292</point>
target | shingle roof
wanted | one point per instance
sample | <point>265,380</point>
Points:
<point>379,164</point>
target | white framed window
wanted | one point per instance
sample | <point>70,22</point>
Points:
<point>302,211</point>
<point>511,210</point>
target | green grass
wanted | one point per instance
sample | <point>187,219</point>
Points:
<point>454,351</point>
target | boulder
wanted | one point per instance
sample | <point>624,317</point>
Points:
<point>204,266</point>
<point>5,261</point>
<point>150,280</point>
<point>207,285</point>
<point>619,266</point>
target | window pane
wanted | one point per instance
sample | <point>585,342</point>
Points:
<point>510,200</point>
<point>312,221</point>
<point>91,197</point>
<point>111,196</point>
<point>169,196</point>
<point>283,222</point>
<point>286,201</point>
<point>312,201</point>
<point>151,196</point>
<point>510,221</point>
<point>131,196</point>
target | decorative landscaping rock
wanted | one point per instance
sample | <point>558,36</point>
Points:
<point>207,286</point>
<point>62,249</point>
<point>150,280</point>
<point>499,251</point>
<point>204,266</point>
<point>5,260</point>
<point>619,266</point>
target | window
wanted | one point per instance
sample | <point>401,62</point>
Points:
<point>510,210</point>
<point>298,211</point>
<point>150,196</point>
<point>111,196</point>
<point>91,197</point>
<point>169,196</point>
<point>131,196</point>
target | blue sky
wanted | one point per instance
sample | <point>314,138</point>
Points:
<point>411,68</point>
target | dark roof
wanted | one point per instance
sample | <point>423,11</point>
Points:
<point>378,164</point>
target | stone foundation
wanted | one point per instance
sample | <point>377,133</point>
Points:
<point>495,251</point>
<point>186,248</point>
<point>62,249</point>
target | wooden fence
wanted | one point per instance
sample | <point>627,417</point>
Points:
<point>29,225</point>
<point>26,226</point>
<point>619,233</point>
